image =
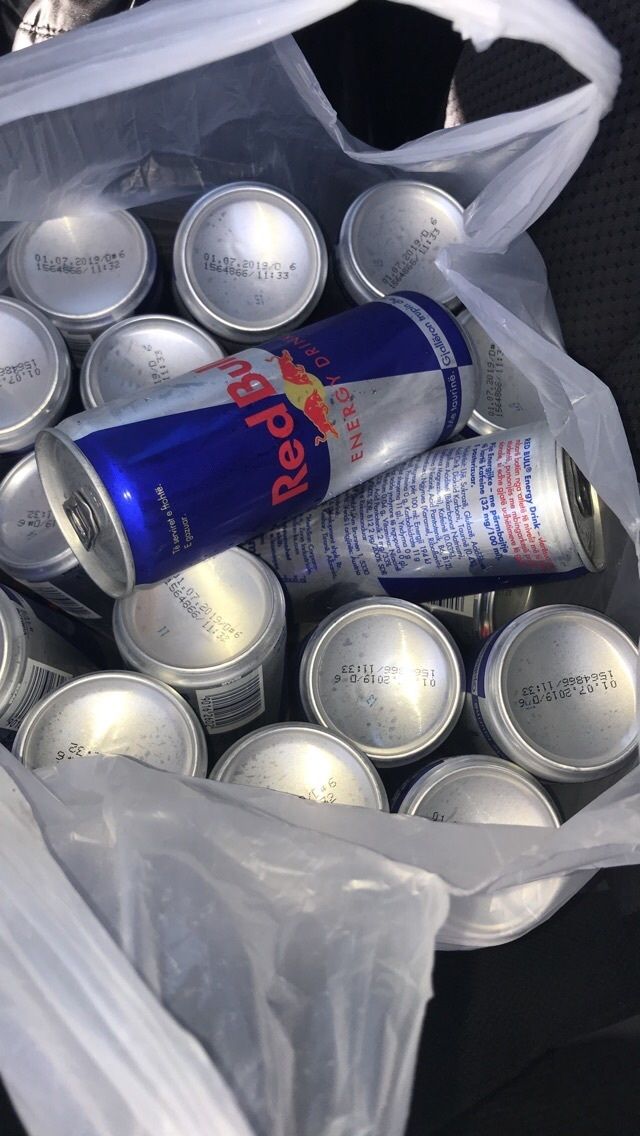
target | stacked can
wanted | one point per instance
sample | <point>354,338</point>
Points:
<point>35,375</point>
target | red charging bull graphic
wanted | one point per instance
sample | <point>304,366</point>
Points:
<point>307,393</point>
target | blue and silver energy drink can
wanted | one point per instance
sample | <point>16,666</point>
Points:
<point>142,489</point>
<point>473,516</point>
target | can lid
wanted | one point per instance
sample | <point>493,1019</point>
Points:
<point>485,790</point>
<point>35,374</point>
<point>303,759</point>
<point>506,397</point>
<point>12,647</point>
<point>114,713</point>
<point>85,513</point>
<point>385,674</point>
<point>582,512</point>
<point>142,352</point>
<point>206,624</point>
<point>506,604</point>
<point>249,260</point>
<point>83,271</point>
<point>390,237</point>
<point>31,544</point>
<point>559,692</point>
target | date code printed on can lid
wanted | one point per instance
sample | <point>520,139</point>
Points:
<point>232,704</point>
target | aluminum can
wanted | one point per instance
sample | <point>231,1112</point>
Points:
<point>485,790</point>
<point>391,236</point>
<point>84,272</point>
<point>507,397</point>
<point>554,691</point>
<point>249,260</point>
<point>386,675</point>
<point>471,619</point>
<point>479,514</point>
<point>217,633</point>
<point>34,660</point>
<point>303,759</point>
<point>146,488</point>
<point>114,713</point>
<point>35,375</point>
<point>46,19</point>
<point>34,552</point>
<point>142,352</point>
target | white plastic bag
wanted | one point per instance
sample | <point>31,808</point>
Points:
<point>322,920</point>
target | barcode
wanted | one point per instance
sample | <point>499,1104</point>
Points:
<point>226,707</point>
<point>38,681</point>
<point>64,601</point>
<point>462,604</point>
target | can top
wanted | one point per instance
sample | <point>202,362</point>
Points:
<point>31,545</point>
<point>485,790</point>
<point>303,759</point>
<point>558,685</point>
<point>12,647</point>
<point>114,713</point>
<point>385,674</point>
<point>249,260</point>
<point>35,374</point>
<point>390,237</point>
<point>582,512</point>
<point>141,352</point>
<point>83,271</point>
<point>207,624</point>
<point>506,397</point>
<point>85,513</point>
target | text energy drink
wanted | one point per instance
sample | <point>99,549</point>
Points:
<point>143,489</point>
<point>469,516</point>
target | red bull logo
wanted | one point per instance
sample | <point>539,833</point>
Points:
<point>307,393</point>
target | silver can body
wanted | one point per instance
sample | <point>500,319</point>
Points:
<point>303,759</point>
<point>114,713</point>
<point>34,660</point>
<point>140,353</point>
<point>249,260</point>
<point>35,375</point>
<point>387,676</point>
<point>472,515</point>
<point>485,790</point>
<point>34,552</point>
<point>507,397</point>
<point>554,691</point>
<point>390,237</point>
<point>84,272</point>
<point>217,633</point>
<point>44,20</point>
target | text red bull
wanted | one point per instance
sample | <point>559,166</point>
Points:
<point>489,513</point>
<point>143,488</point>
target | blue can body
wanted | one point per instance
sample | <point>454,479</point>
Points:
<point>206,461</point>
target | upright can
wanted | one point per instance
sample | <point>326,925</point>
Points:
<point>35,375</point>
<point>249,261</point>
<point>386,675</point>
<point>217,633</point>
<point>303,759</point>
<point>479,514</point>
<point>115,714</point>
<point>34,552</point>
<point>555,691</point>
<point>140,353</point>
<point>146,488</point>
<point>507,398</point>
<point>34,660</point>
<point>84,272</point>
<point>485,790</point>
<point>391,236</point>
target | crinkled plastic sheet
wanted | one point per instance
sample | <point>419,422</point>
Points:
<point>293,942</point>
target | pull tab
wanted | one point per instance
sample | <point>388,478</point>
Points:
<point>82,519</point>
<point>581,490</point>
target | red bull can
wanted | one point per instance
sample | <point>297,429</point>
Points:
<point>473,516</point>
<point>143,489</point>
